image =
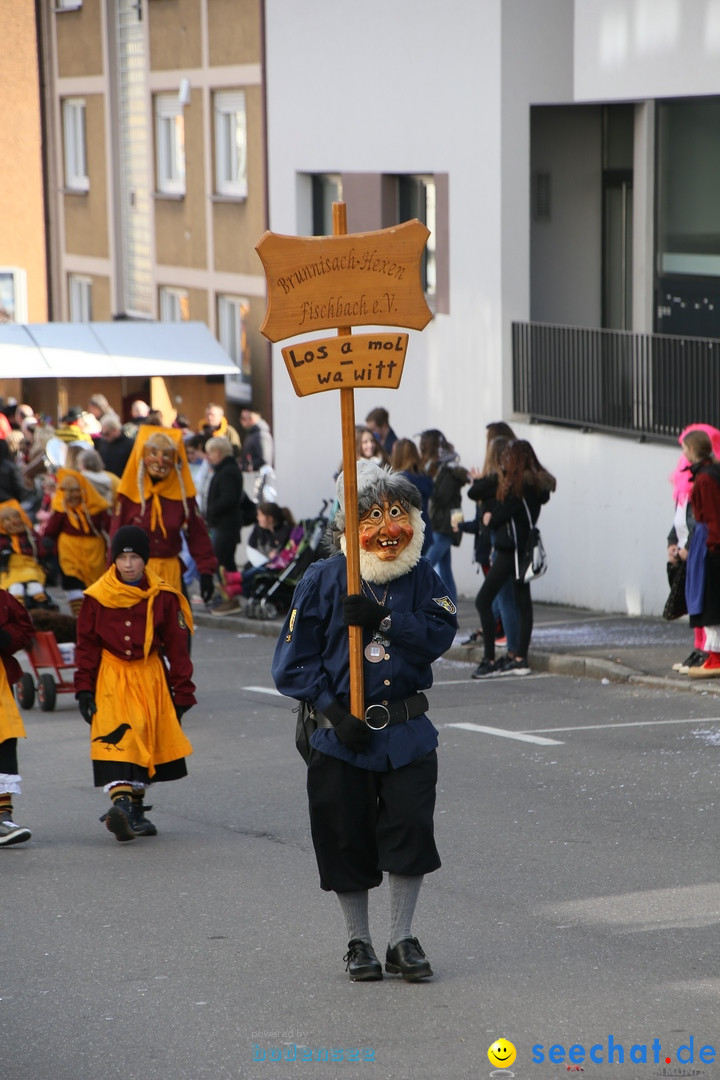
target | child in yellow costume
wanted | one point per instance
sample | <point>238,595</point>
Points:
<point>78,524</point>
<point>157,494</point>
<point>134,681</point>
<point>16,632</point>
<point>21,572</point>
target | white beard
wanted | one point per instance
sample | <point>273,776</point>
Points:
<point>380,571</point>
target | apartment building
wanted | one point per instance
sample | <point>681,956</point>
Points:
<point>23,276</point>
<point>154,154</point>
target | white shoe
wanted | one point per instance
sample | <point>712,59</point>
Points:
<point>10,833</point>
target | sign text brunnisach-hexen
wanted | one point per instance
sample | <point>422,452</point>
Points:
<point>323,282</point>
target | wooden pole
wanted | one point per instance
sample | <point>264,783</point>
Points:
<point>347,417</point>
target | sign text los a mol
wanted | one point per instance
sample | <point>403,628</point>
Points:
<point>357,360</point>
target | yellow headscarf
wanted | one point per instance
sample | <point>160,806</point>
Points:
<point>112,592</point>
<point>13,504</point>
<point>136,485</point>
<point>92,501</point>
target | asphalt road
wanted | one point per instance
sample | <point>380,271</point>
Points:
<point>577,905</point>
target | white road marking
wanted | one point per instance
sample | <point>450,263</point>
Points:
<point>264,690</point>
<point>521,736</point>
<point>637,723</point>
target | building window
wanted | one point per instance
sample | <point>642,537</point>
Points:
<point>416,199</point>
<point>13,295</point>
<point>76,174</point>
<point>232,335</point>
<point>68,5</point>
<point>174,305</point>
<point>231,144</point>
<point>326,189</point>
<point>170,144</point>
<point>688,218</point>
<point>80,289</point>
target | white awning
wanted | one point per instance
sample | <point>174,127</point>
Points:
<point>110,350</point>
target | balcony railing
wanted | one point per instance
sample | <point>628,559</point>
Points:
<point>650,385</point>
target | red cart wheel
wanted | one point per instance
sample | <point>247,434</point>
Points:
<point>25,691</point>
<point>46,693</point>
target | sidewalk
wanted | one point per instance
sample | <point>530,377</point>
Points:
<point>565,641</point>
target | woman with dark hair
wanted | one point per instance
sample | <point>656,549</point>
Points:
<point>440,462</point>
<point>405,459</point>
<point>523,486</point>
<point>482,491</point>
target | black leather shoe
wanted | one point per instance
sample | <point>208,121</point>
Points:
<point>361,963</point>
<point>407,959</point>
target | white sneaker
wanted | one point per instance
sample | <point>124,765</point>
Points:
<point>10,833</point>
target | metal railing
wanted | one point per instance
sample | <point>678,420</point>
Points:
<point>650,385</point>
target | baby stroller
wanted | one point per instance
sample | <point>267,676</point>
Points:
<point>271,590</point>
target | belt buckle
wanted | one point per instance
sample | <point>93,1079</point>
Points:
<point>370,715</point>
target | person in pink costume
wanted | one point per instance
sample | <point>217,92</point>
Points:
<point>683,523</point>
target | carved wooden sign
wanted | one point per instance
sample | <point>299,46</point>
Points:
<point>350,362</point>
<point>355,279</point>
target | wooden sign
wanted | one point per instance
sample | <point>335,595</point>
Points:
<point>357,361</point>
<point>355,279</point>
<point>336,282</point>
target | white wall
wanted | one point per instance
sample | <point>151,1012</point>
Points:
<point>387,88</point>
<point>392,87</point>
<point>606,526</point>
<point>633,49</point>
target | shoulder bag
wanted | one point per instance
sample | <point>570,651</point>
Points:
<point>676,605</point>
<point>531,563</point>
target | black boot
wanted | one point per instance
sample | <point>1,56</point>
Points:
<point>142,826</point>
<point>119,818</point>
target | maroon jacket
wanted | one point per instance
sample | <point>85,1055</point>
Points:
<point>127,512</point>
<point>122,632</point>
<point>59,522</point>
<point>705,501</point>
<point>15,619</point>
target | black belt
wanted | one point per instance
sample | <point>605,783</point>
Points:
<point>378,717</point>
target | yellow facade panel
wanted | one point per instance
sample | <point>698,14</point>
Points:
<point>234,32</point>
<point>175,34</point>
<point>79,40</point>
<point>22,238</point>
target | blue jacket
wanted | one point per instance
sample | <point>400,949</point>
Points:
<point>311,657</point>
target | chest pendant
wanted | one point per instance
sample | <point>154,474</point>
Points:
<point>374,652</point>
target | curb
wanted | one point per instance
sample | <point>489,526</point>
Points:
<point>579,667</point>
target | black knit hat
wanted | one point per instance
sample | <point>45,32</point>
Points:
<point>131,538</point>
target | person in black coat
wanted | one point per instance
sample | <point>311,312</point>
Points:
<point>11,486</point>
<point>228,507</point>
<point>523,486</point>
<point>115,446</point>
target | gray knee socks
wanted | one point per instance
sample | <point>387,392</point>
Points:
<point>404,892</point>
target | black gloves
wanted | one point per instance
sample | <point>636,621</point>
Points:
<point>207,587</point>
<point>5,639</point>
<point>180,710</point>
<point>360,610</point>
<point>86,705</point>
<point>352,733</point>
<point>47,543</point>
